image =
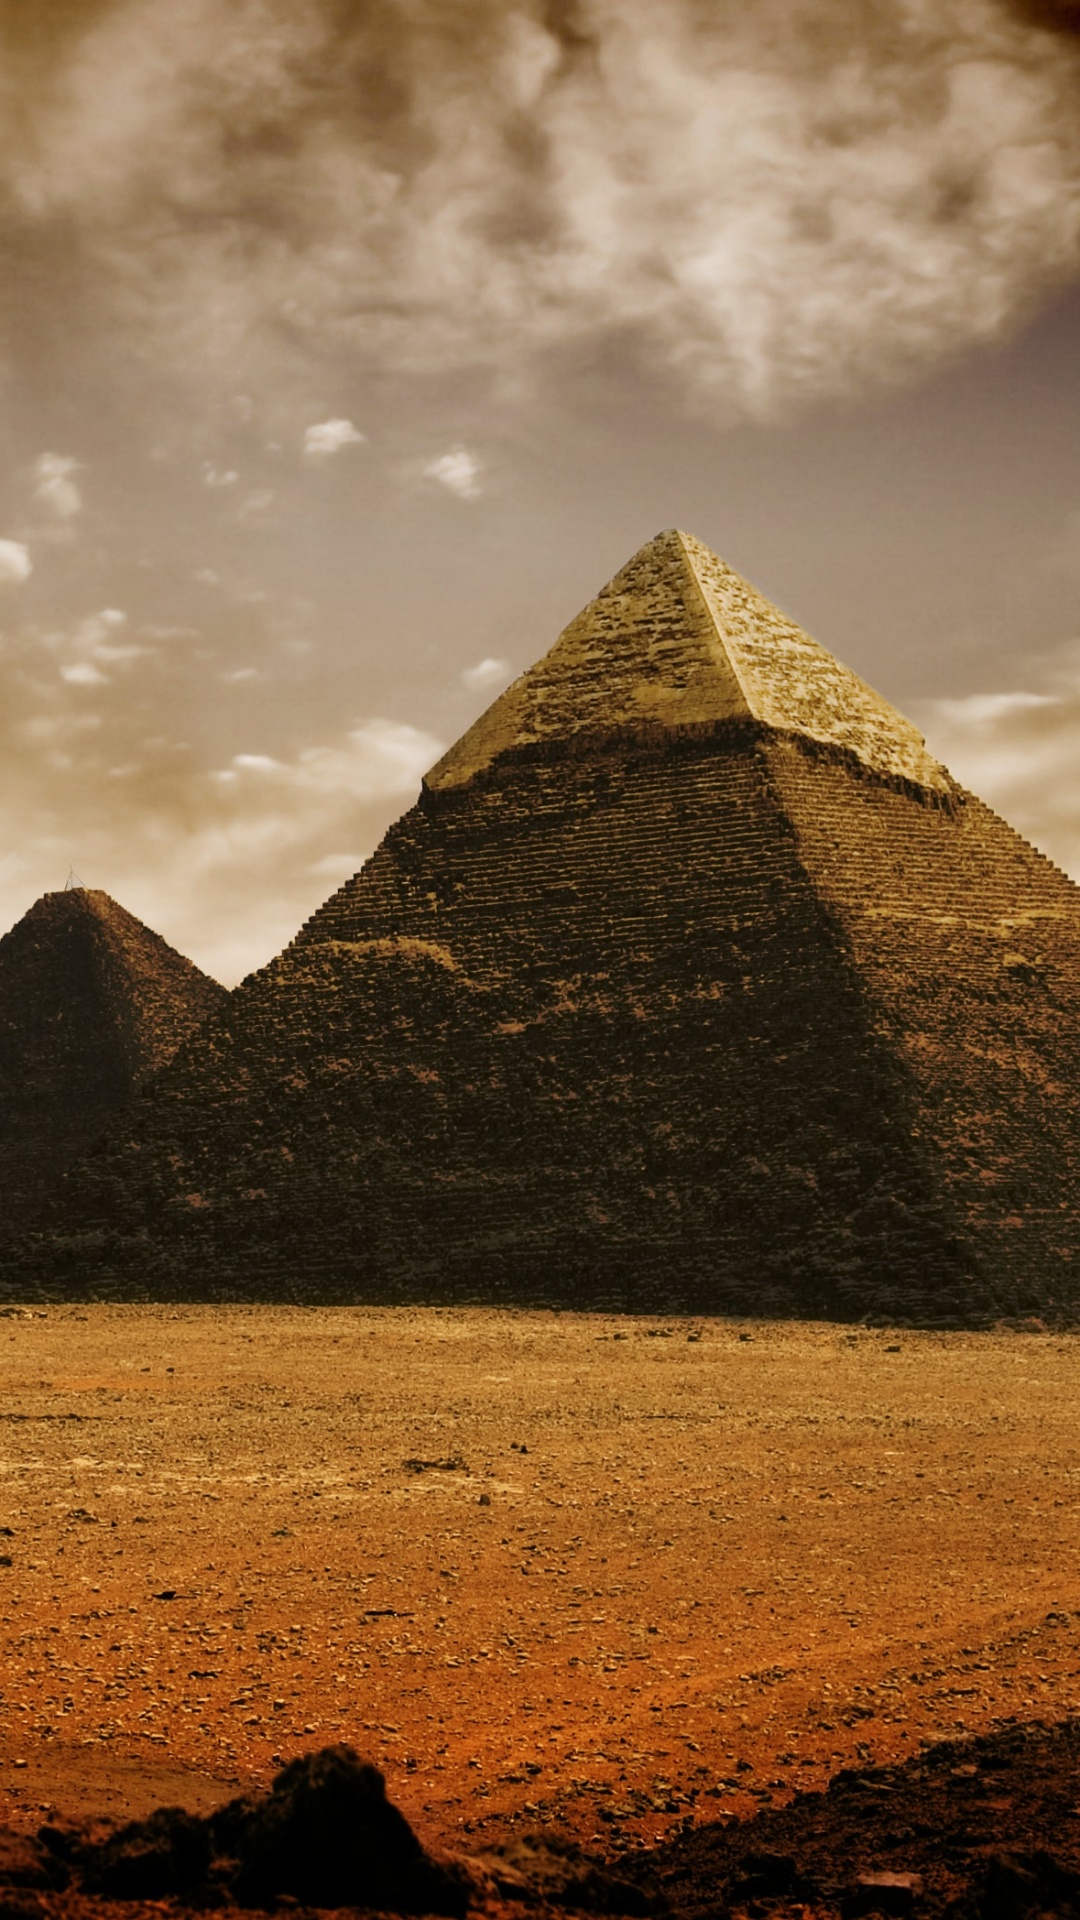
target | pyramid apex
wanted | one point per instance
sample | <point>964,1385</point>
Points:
<point>678,639</point>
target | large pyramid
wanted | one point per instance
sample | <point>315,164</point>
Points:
<point>91,1004</point>
<point>691,982</point>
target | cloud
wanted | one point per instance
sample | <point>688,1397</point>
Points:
<point>771,204</point>
<point>382,757</point>
<point>336,866</point>
<point>256,507</point>
<point>321,442</point>
<point>226,863</point>
<point>459,472</point>
<point>56,487</point>
<point>15,562</point>
<point>487,673</point>
<point>1020,752</point>
<point>93,648</point>
<point>83,673</point>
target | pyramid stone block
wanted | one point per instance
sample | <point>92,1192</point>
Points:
<point>691,983</point>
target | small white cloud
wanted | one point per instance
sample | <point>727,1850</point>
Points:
<point>15,562</point>
<point>328,437</point>
<point>11,866</point>
<point>241,674</point>
<point>218,476</point>
<point>56,487</point>
<point>84,674</point>
<point>459,472</point>
<point>486,673</point>
<point>256,762</point>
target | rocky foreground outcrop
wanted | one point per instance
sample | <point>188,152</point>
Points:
<point>986,1829</point>
<point>691,983</point>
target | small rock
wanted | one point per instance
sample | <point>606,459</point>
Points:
<point>768,1876</point>
<point>889,1893</point>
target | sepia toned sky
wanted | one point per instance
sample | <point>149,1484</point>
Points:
<point>348,346</point>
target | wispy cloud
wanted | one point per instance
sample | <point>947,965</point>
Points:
<point>328,437</point>
<point>15,562</point>
<point>55,486</point>
<point>94,648</point>
<point>1020,751</point>
<point>226,862</point>
<point>774,203</point>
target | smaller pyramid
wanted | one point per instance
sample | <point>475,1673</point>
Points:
<point>91,1003</point>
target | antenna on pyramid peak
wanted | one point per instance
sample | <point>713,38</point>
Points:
<point>73,884</point>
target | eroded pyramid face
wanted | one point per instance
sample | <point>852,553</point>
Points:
<point>692,982</point>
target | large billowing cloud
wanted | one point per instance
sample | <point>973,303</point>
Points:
<point>774,203</point>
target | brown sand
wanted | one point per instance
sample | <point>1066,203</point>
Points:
<point>644,1554</point>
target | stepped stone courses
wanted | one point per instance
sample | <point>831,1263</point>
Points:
<point>692,981</point>
<point>91,1004</point>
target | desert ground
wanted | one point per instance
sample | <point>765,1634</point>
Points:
<point>617,1575</point>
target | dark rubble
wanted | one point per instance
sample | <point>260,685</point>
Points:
<point>984,1829</point>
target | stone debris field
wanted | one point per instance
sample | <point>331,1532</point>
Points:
<point>617,1575</point>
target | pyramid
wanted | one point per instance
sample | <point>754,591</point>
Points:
<point>91,1004</point>
<point>692,982</point>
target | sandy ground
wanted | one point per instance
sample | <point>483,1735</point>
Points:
<point>650,1572</point>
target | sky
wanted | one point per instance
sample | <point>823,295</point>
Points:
<point>347,347</point>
